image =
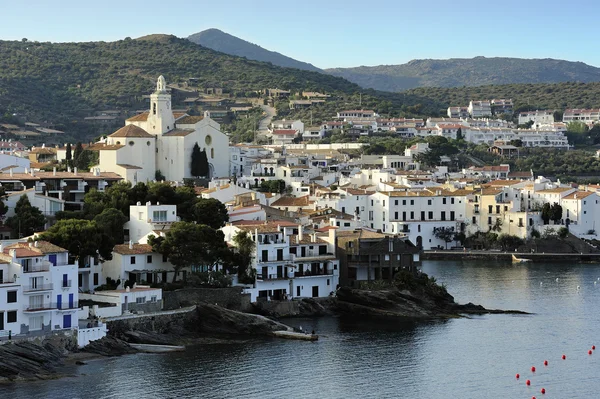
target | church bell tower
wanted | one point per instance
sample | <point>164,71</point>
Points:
<point>160,119</point>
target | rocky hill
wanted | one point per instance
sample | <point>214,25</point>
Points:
<point>229,44</point>
<point>458,72</point>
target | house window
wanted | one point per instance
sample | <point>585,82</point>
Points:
<point>412,202</point>
<point>140,300</point>
<point>489,220</point>
<point>403,202</point>
<point>165,258</point>
<point>490,208</point>
<point>383,202</point>
<point>412,215</point>
<point>395,202</point>
<point>11,297</point>
<point>153,298</point>
<point>395,215</point>
<point>474,220</point>
<point>132,261</point>
<point>95,278</point>
<point>149,259</point>
<point>443,215</point>
<point>159,216</point>
<point>430,215</point>
<point>428,202</point>
<point>452,201</point>
<point>11,317</point>
<point>451,215</point>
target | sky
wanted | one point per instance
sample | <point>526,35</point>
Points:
<point>329,33</point>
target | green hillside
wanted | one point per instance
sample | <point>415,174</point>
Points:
<point>458,72</point>
<point>228,44</point>
<point>67,80</point>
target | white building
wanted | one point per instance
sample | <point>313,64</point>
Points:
<point>480,109</point>
<point>581,115</point>
<point>38,287</point>
<point>284,136</point>
<point>543,117</point>
<point>148,218</point>
<point>289,263</point>
<point>458,112</point>
<point>162,140</point>
<point>284,124</point>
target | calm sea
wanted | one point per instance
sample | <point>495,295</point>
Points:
<point>459,359</point>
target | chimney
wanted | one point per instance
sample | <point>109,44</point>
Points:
<point>139,203</point>
<point>54,171</point>
<point>35,243</point>
<point>130,244</point>
<point>75,170</point>
<point>313,237</point>
<point>69,169</point>
<point>32,172</point>
<point>300,235</point>
<point>30,245</point>
<point>11,172</point>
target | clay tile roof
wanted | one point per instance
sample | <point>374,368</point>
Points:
<point>579,195</point>
<point>138,249</point>
<point>261,228</point>
<point>292,201</point>
<point>556,190</point>
<point>131,131</point>
<point>43,150</point>
<point>177,133</point>
<point>287,132</point>
<point>143,117</point>
<point>189,120</point>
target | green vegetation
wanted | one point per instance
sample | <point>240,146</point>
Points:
<point>27,220</point>
<point>228,44</point>
<point>457,72</point>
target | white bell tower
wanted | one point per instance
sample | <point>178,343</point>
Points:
<point>160,119</point>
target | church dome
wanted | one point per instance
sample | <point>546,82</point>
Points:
<point>131,131</point>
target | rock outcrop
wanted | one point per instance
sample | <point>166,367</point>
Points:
<point>212,319</point>
<point>394,303</point>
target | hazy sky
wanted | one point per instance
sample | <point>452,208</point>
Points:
<point>329,33</point>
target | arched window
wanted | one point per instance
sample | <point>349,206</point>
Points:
<point>212,152</point>
<point>153,108</point>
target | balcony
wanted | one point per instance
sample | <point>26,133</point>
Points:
<point>278,260</point>
<point>7,281</point>
<point>66,306</point>
<point>37,288</point>
<point>66,284</point>
<point>314,256</point>
<point>271,277</point>
<point>310,274</point>
<point>48,306</point>
<point>44,267</point>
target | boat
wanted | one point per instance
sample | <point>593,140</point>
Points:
<point>520,260</point>
<point>148,348</point>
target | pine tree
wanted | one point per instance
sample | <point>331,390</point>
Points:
<point>77,153</point>
<point>27,220</point>
<point>204,169</point>
<point>196,161</point>
<point>68,155</point>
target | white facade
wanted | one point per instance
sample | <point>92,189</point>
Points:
<point>290,265</point>
<point>38,287</point>
<point>162,140</point>
<point>480,109</point>
<point>147,218</point>
<point>581,115</point>
<point>542,117</point>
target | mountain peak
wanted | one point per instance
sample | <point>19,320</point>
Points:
<point>224,42</point>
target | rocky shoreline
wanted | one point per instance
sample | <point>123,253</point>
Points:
<point>207,323</point>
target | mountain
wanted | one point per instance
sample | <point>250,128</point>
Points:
<point>458,72</point>
<point>66,81</point>
<point>229,44</point>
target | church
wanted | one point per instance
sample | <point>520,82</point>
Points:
<point>162,140</point>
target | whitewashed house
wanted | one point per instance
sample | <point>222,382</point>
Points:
<point>148,218</point>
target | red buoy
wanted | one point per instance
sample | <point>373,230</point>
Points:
<point>543,391</point>
<point>527,382</point>
<point>590,352</point>
<point>518,376</point>
<point>533,369</point>
<point>564,357</point>
<point>593,347</point>
<point>545,362</point>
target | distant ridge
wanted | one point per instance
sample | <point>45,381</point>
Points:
<point>225,43</point>
<point>458,72</point>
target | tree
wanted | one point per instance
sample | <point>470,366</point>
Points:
<point>556,212</point>
<point>445,234</point>
<point>191,245</point>
<point>459,134</point>
<point>509,242</point>
<point>81,238</point>
<point>68,155</point>
<point>210,212</point>
<point>3,206</point>
<point>273,186</point>
<point>77,153</point>
<point>158,175</point>
<point>82,162</point>
<point>111,222</point>
<point>27,220</point>
<point>546,213</point>
<point>196,167</point>
<point>245,248</point>
<point>203,168</point>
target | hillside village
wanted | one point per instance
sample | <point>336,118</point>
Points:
<point>289,219</point>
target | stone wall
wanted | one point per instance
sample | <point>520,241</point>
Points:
<point>230,298</point>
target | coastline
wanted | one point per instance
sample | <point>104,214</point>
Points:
<point>534,257</point>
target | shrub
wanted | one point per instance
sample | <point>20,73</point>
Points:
<point>563,232</point>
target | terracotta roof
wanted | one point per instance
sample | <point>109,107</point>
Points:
<point>43,150</point>
<point>579,195</point>
<point>105,147</point>
<point>261,228</point>
<point>138,249</point>
<point>292,201</point>
<point>139,117</point>
<point>131,131</point>
<point>177,133</point>
<point>127,166</point>
<point>556,190</point>
<point>189,120</point>
<point>25,251</point>
<point>359,234</point>
<point>356,191</point>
